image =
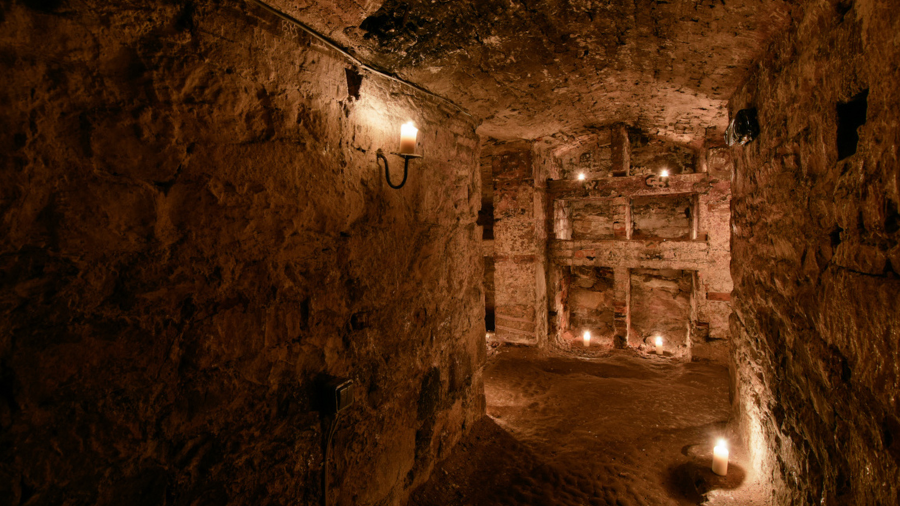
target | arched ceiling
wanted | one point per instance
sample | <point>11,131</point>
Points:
<point>531,68</point>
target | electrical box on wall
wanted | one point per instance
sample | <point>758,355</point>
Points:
<point>338,394</point>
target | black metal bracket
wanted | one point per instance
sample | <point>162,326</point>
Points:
<point>654,181</point>
<point>387,174</point>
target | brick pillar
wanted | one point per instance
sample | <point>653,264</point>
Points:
<point>562,224</point>
<point>629,219</point>
<point>515,245</point>
<point>622,213</point>
<point>621,316</point>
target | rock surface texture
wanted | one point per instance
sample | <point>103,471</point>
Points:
<point>816,243</point>
<point>193,233</point>
<point>530,68</point>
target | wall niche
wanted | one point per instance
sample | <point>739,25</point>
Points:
<point>661,305</point>
<point>664,216</point>
<point>591,303</point>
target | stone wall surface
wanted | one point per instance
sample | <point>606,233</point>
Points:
<point>638,220</point>
<point>660,306</point>
<point>591,303</point>
<point>597,218</point>
<point>816,324</point>
<point>651,155</point>
<point>194,232</point>
<point>536,68</point>
<point>517,251</point>
<point>666,217</point>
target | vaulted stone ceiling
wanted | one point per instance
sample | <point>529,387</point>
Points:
<point>530,68</point>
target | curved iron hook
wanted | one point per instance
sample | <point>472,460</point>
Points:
<point>387,173</point>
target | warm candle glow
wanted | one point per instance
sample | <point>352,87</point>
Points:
<point>581,176</point>
<point>587,338</point>
<point>720,458</point>
<point>664,173</point>
<point>659,343</point>
<point>408,134</point>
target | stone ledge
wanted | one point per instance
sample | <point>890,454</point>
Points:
<point>689,255</point>
<point>629,186</point>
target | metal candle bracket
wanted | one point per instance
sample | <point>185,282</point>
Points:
<point>655,181</point>
<point>387,173</point>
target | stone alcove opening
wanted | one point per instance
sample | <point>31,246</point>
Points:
<point>663,217</point>
<point>661,306</point>
<point>597,219</point>
<point>591,303</point>
<point>650,155</point>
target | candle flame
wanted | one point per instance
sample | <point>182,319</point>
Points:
<point>658,341</point>
<point>664,173</point>
<point>581,176</point>
<point>721,443</point>
<point>409,128</point>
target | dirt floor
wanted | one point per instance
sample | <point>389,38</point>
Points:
<point>615,428</point>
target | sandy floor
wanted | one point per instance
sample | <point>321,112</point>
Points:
<point>619,428</point>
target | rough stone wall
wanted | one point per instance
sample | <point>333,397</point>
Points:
<point>520,230</point>
<point>627,223</point>
<point>193,230</point>
<point>816,243</point>
<point>667,217</point>
<point>650,155</point>
<point>661,306</point>
<point>591,303</point>
<point>592,156</point>
<point>597,219</point>
<point>714,284</point>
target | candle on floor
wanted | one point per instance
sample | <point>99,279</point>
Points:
<point>587,338</point>
<point>659,342</point>
<point>408,134</point>
<point>720,458</point>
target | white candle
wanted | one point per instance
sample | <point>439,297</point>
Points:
<point>664,173</point>
<point>720,458</point>
<point>408,134</point>
<point>581,176</point>
<point>587,338</point>
<point>659,342</point>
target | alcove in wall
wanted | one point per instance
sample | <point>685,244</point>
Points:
<point>661,305</point>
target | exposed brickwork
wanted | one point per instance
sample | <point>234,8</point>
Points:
<point>644,222</point>
<point>515,242</point>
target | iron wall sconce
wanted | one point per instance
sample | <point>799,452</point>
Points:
<point>408,134</point>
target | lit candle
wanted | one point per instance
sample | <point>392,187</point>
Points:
<point>720,458</point>
<point>587,338</point>
<point>659,350</point>
<point>408,134</point>
<point>581,176</point>
<point>664,173</point>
